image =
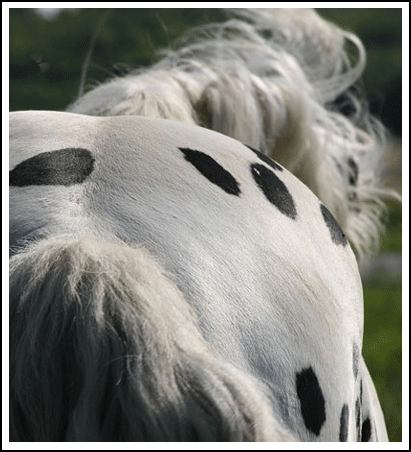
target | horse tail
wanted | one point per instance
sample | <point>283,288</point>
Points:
<point>104,347</point>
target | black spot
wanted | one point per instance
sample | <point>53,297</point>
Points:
<point>358,418</point>
<point>366,431</point>
<point>337,236</point>
<point>212,170</point>
<point>63,167</point>
<point>265,159</point>
<point>311,400</point>
<point>344,423</point>
<point>353,176</point>
<point>274,190</point>
<point>355,359</point>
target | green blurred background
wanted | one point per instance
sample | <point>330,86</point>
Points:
<point>46,59</point>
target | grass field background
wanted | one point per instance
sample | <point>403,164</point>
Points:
<point>46,59</point>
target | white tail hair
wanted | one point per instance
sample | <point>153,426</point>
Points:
<point>275,80</point>
<point>104,347</point>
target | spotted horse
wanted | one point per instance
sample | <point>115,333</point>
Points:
<point>169,283</point>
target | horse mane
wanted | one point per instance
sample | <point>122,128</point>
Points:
<point>281,81</point>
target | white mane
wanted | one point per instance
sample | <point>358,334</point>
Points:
<point>273,80</point>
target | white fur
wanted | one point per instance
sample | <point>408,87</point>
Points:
<point>112,353</point>
<point>149,305</point>
<point>258,282</point>
<point>271,81</point>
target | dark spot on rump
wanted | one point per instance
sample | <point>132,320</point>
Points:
<point>63,167</point>
<point>311,400</point>
<point>353,176</point>
<point>274,190</point>
<point>355,359</point>
<point>212,170</point>
<point>344,418</point>
<point>265,159</point>
<point>358,418</point>
<point>337,236</point>
<point>366,430</point>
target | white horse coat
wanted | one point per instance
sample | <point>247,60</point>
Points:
<point>187,287</point>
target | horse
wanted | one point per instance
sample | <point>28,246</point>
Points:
<point>180,258</point>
